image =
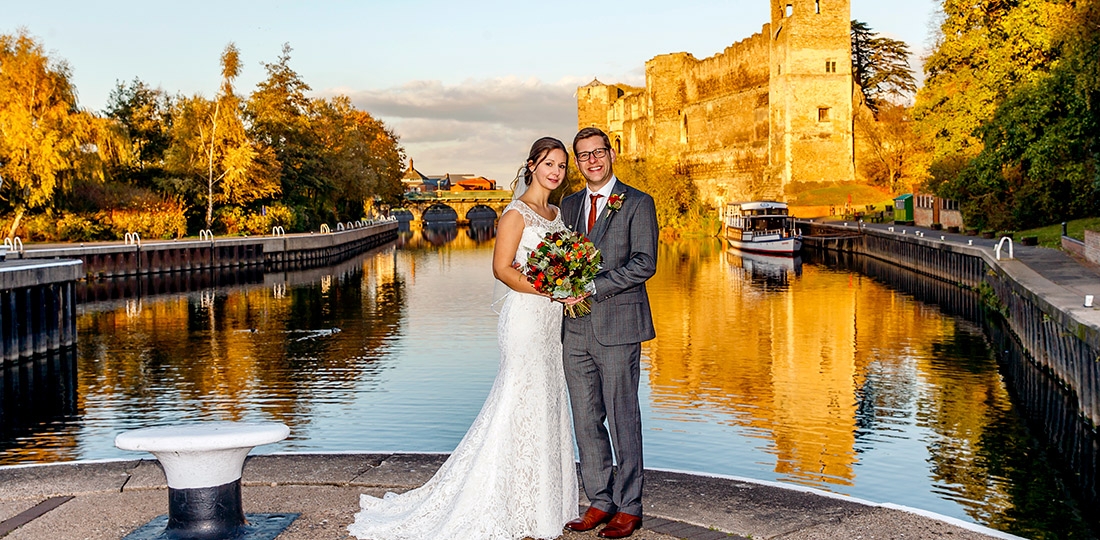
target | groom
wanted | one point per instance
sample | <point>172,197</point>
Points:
<point>602,350</point>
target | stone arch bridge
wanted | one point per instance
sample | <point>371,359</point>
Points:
<point>455,206</point>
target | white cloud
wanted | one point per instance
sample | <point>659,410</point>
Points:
<point>480,127</point>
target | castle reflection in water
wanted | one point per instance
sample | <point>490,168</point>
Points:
<point>842,374</point>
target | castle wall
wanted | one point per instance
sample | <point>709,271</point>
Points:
<point>746,122</point>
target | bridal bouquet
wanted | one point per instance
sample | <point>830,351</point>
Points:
<point>563,265</point>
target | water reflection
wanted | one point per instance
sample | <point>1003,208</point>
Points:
<point>847,385</point>
<point>814,371</point>
<point>38,396</point>
<point>768,270</point>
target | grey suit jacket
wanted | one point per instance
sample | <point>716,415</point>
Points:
<point>627,240</point>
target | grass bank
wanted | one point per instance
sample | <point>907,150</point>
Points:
<point>1051,235</point>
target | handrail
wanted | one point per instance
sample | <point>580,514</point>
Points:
<point>278,230</point>
<point>1001,243</point>
<point>339,226</point>
<point>15,244</point>
<point>325,228</point>
<point>132,238</point>
<point>206,234</point>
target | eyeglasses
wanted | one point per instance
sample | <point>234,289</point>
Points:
<point>597,153</point>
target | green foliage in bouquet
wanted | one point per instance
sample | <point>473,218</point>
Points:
<point>562,266</point>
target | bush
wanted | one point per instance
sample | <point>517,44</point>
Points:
<point>36,228</point>
<point>83,228</point>
<point>237,220</point>
<point>165,219</point>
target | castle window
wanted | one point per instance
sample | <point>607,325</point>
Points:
<point>618,145</point>
<point>789,11</point>
<point>817,6</point>
<point>822,114</point>
<point>830,66</point>
<point>779,69</point>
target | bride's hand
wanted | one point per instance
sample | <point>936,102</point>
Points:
<point>574,300</point>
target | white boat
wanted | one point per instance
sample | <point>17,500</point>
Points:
<point>762,227</point>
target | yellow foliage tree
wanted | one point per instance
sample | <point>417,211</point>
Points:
<point>45,139</point>
<point>210,144</point>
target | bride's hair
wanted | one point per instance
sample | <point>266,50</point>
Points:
<point>539,150</point>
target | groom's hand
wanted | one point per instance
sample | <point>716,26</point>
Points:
<point>573,300</point>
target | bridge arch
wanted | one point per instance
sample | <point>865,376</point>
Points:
<point>481,212</point>
<point>439,213</point>
<point>466,205</point>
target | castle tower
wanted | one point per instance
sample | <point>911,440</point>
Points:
<point>666,92</point>
<point>594,100</point>
<point>810,93</point>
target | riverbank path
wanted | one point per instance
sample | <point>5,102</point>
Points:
<point>110,499</point>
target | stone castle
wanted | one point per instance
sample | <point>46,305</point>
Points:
<point>753,122</point>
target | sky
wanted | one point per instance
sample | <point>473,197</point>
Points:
<point>467,86</point>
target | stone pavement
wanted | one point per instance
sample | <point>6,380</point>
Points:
<point>110,499</point>
<point>1051,274</point>
<point>1059,267</point>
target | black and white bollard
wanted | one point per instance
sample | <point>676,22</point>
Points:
<point>203,463</point>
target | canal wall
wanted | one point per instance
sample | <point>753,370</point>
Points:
<point>37,307</point>
<point>1049,406</point>
<point>282,251</point>
<point>1058,334</point>
<point>40,286</point>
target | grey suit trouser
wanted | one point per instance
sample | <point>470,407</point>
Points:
<point>603,385</point>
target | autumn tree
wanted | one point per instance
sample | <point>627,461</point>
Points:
<point>333,159</point>
<point>880,67</point>
<point>210,144</point>
<point>45,139</point>
<point>679,207</point>
<point>360,157</point>
<point>1039,157</point>
<point>890,153</point>
<point>985,50</point>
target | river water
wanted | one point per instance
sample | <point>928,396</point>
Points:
<point>797,371</point>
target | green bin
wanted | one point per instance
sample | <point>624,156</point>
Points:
<point>903,209</point>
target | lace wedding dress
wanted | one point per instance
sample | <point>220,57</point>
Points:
<point>512,475</point>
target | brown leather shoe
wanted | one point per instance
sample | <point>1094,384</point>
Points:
<point>591,519</point>
<point>621,526</point>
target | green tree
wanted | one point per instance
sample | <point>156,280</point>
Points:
<point>1040,156</point>
<point>279,115</point>
<point>46,141</point>
<point>880,67</point>
<point>146,115</point>
<point>210,145</point>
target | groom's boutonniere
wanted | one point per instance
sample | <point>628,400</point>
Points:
<point>615,201</point>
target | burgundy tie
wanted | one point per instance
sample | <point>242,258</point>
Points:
<point>592,211</point>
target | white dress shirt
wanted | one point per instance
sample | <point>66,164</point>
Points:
<point>601,203</point>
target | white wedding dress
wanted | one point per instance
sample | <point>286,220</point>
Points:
<point>512,475</point>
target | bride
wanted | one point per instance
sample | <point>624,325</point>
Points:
<point>512,475</point>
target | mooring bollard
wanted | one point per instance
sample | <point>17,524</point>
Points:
<point>203,463</point>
